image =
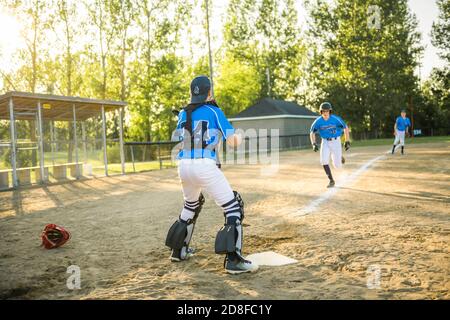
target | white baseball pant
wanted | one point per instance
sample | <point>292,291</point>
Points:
<point>199,175</point>
<point>399,137</point>
<point>331,148</point>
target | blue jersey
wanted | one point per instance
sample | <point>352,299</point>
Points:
<point>330,128</point>
<point>209,126</point>
<point>402,123</point>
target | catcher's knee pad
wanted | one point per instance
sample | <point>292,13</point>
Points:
<point>180,233</point>
<point>229,237</point>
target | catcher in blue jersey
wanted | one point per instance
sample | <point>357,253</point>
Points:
<point>201,126</point>
<point>330,128</point>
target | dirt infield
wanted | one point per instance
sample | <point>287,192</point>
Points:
<point>394,217</point>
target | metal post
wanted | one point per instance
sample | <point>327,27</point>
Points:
<point>412,117</point>
<point>75,140</point>
<point>132,158</point>
<point>83,136</point>
<point>105,155</point>
<point>40,142</point>
<point>52,138</point>
<point>12,127</point>
<point>159,156</point>
<point>55,136</point>
<point>122,155</point>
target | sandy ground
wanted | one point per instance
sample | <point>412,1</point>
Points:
<point>394,218</point>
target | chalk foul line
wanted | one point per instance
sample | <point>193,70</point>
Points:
<point>313,205</point>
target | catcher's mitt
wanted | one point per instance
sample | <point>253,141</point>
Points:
<point>54,236</point>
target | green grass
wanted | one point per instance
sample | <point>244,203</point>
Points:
<point>383,142</point>
<point>139,166</point>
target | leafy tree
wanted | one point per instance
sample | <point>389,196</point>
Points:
<point>33,17</point>
<point>436,89</point>
<point>366,71</point>
<point>237,85</point>
<point>159,34</point>
<point>268,41</point>
<point>440,34</point>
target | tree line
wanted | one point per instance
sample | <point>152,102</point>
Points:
<point>361,55</point>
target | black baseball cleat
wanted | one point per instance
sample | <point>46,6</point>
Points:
<point>180,255</point>
<point>240,266</point>
<point>343,160</point>
<point>331,184</point>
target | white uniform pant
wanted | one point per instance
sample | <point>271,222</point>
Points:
<point>199,175</point>
<point>399,137</point>
<point>331,148</point>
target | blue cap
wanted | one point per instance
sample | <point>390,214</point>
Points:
<point>200,87</point>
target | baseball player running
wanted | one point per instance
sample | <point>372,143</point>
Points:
<point>201,126</point>
<point>402,124</point>
<point>329,127</point>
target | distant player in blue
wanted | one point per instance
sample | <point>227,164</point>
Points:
<point>330,128</point>
<point>200,128</point>
<point>402,124</point>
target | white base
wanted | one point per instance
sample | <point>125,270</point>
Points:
<point>270,258</point>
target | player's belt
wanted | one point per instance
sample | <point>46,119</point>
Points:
<point>329,139</point>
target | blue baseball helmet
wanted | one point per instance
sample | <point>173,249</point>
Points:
<point>325,106</point>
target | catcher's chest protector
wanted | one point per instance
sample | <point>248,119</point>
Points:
<point>54,236</point>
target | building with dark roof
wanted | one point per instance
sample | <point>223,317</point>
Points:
<point>292,120</point>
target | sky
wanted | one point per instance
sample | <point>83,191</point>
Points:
<point>426,12</point>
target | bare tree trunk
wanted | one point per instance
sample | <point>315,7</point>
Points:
<point>102,53</point>
<point>68,60</point>
<point>149,62</point>
<point>34,78</point>
<point>123,67</point>
<point>69,66</point>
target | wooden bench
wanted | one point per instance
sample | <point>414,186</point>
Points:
<point>59,171</point>
<point>76,169</point>
<point>37,171</point>
<point>24,176</point>
<point>4,179</point>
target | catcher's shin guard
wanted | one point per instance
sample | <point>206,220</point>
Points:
<point>230,236</point>
<point>180,233</point>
